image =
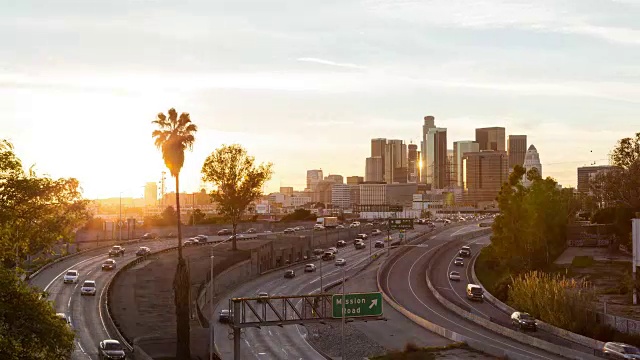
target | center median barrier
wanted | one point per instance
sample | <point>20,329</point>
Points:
<point>505,331</point>
<point>568,335</point>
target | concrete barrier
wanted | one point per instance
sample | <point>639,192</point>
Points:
<point>515,335</point>
<point>577,338</point>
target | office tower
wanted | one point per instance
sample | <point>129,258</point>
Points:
<point>484,174</point>
<point>373,169</point>
<point>338,179</point>
<point>286,190</point>
<point>355,180</point>
<point>150,194</point>
<point>322,192</point>
<point>395,162</point>
<point>435,166</point>
<point>450,168</point>
<point>313,177</point>
<point>341,196</point>
<point>517,148</point>
<point>429,123</point>
<point>588,173</point>
<point>373,194</point>
<point>378,146</point>
<point>413,163</point>
<point>459,149</point>
<point>491,138</point>
<point>531,161</point>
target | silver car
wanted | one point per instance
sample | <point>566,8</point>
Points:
<point>616,350</point>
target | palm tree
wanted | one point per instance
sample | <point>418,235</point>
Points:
<point>174,136</point>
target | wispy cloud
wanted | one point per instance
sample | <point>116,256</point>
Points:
<point>330,63</point>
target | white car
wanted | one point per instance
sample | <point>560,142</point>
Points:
<point>334,250</point>
<point>71,277</point>
<point>454,276</point>
<point>309,268</point>
<point>88,288</point>
<point>64,318</point>
<point>341,262</point>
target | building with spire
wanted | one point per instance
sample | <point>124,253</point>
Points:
<point>531,161</point>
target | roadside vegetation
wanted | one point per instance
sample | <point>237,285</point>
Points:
<point>414,352</point>
<point>29,327</point>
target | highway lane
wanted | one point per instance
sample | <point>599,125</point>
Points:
<point>404,280</point>
<point>456,291</point>
<point>289,341</point>
<point>84,311</point>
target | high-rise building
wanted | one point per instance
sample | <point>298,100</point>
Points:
<point>429,123</point>
<point>400,194</point>
<point>517,149</point>
<point>436,166</point>
<point>338,179</point>
<point>354,193</point>
<point>413,163</point>
<point>378,146</point>
<point>459,149</point>
<point>373,169</point>
<point>322,192</point>
<point>286,190</point>
<point>395,162</point>
<point>150,194</point>
<point>313,177</point>
<point>588,173</point>
<point>491,138</point>
<point>532,161</point>
<point>373,194</point>
<point>450,178</point>
<point>341,196</point>
<point>484,174</point>
<point>355,180</point>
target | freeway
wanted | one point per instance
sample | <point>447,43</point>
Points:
<point>86,316</point>
<point>288,341</point>
<point>455,291</point>
<point>404,281</point>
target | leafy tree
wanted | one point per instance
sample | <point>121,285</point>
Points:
<point>627,152</point>
<point>297,215</point>
<point>237,181</point>
<point>35,212</point>
<point>29,327</point>
<point>197,217</point>
<point>169,215</point>
<point>173,136</point>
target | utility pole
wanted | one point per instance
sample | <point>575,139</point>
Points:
<point>343,314</point>
<point>120,218</point>
<point>212,287</point>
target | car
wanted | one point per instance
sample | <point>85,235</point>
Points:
<point>475,292</point>
<point>454,275</point>
<point>376,232</point>
<point>71,277</point>
<point>110,349</point>
<point>289,274</point>
<point>465,251</point>
<point>318,251</point>
<point>318,227</point>
<point>251,231</point>
<point>523,321</point>
<point>618,350</point>
<point>224,232</point>
<point>116,250</point>
<point>108,264</point>
<point>309,268</point>
<point>333,250</point>
<point>360,245</point>
<point>64,318</point>
<point>236,236</point>
<point>188,242</point>
<point>88,288</point>
<point>202,238</point>
<point>354,225</point>
<point>379,244</point>
<point>328,255</point>
<point>224,316</point>
<point>341,262</point>
<point>458,261</point>
<point>362,236</point>
<point>262,296</point>
<point>341,243</point>
<point>339,226</point>
<point>148,236</point>
<point>289,231</point>
<point>298,228</point>
<point>143,251</point>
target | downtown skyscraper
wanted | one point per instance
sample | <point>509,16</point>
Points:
<point>434,155</point>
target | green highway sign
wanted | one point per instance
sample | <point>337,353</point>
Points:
<point>357,305</point>
<point>399,224</point>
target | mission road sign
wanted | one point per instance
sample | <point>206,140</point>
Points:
<point>357,305</point>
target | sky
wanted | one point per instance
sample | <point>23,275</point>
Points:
<point>306,84</point>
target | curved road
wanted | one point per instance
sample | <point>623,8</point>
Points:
<point>84,311</point>
<point>455,291</point>
<point>288,342</point>
<point>404,281</point>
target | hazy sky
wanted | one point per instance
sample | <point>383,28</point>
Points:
<point>306,84</point>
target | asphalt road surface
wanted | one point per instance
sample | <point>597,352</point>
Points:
<point>455,291</point>
<point>404,280</point>
<point>288,342</point>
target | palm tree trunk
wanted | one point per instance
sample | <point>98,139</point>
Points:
<point>181,294</point>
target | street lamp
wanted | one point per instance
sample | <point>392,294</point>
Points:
<point>212,290</point>
<point>343,314</point>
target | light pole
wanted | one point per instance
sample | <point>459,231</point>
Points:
<point>211,291</point>
<point>120,218</point>
<point>343,314</point>
<point>321,288</point>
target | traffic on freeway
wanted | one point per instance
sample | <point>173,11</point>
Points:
<point>403,279</point>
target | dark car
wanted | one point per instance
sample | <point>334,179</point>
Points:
<point>224,232</point>
<point>458,261</point>
<point>341,243</point>
<point>523,321</point>
<point>143,251</point>
<point>379,244</point>
<point>224,316</point>
<point>110,350</point>
<point>289,231</point>
<point>116,250</point>
<point>289,274</point>
<point>108,264</point>
<point>360,245</point>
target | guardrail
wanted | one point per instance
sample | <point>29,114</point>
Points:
<point>577,338</point>
<point>440,330</point>
<point>488,324</point>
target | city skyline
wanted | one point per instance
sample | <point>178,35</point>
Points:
<point>75,107</point>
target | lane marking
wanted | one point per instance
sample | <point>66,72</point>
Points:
<point>469,281</point>
<point>69,268</point>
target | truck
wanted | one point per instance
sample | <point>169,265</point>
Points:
<point>328,221</point>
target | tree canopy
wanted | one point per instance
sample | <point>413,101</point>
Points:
<point>237,181</point>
